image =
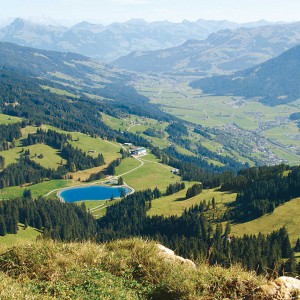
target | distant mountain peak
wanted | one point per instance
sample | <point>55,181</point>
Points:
<point>85,25</point>
<point>108,43</point>
<point>18,22</point>
<point>222,52</point>
<point>137,21</point>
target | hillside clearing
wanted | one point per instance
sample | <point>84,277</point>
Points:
<point>23,236</point>
<point>6,119</point>
<point>176,204</point>
<point>287,215</point>
<point>149,175</point>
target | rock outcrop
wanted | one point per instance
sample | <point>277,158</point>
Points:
<point>170,255</point>
<point>282,288</point>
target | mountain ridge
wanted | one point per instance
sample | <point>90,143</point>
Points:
<point>107,43</point>
<point>273,82</point>
<point>225,51</point>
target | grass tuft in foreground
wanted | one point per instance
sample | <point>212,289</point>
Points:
<point>124,269</point>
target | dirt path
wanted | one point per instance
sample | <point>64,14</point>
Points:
<point>132,170</point>
<point>154,162</point>
<point>102,181</point>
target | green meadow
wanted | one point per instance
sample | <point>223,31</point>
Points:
<point>191,105</point>
<point>287,215</point>
<point>23,236</point>
<point>5,119</point>
<point>39,189</point>
<point>176,204</point>
<point>148,173</point>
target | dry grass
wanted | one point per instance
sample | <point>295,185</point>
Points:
<point>123,269</point>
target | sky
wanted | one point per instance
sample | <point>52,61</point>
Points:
<point>108,11</point>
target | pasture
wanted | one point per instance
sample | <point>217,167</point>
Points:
<point>23,236</point>
<point>5,119</point>
<point>272,124</point>
<point>150,174</point>
<point>176,204</point>
<point>286,215</point>
<point>39,189</point>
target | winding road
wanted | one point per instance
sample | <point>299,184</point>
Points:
<point>113,177</point>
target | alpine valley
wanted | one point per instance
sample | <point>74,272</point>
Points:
<point>197,126</point>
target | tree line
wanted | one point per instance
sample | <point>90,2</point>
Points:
<point>191,234</point>
<point>59,221</point>
<point>28,171</point>
<point>174,188</point>
<point>8,134</point>
<point>261,190</point>
<point>195,237</point>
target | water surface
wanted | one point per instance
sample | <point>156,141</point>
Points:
<point>95,192</point>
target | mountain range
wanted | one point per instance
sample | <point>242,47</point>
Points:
<point>107,43</point>
<point>273,82</point>
<point>58,66</point>
<point>225,51</point>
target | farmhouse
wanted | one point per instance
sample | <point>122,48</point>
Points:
<point>141,151</point>
<point>175,171</point>
<point>138,151</point>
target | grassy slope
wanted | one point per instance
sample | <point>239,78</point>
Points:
<point>59,91</point>
<point>129,269</point>
<point>23,236</point>
<point>51,157</point>
<point>287,215</point>
<point>175,204</point>
<point>39,189</point>
<point>150,175</point>
<point>110,150</point>
<point>5,119</point>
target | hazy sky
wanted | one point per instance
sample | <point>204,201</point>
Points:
<point>107,11</point>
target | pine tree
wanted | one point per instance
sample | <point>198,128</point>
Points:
<point>213,202</point>
<point>120,181</point>
<point>2,226</point>
<point>2,162</point>
<point>297,247</point>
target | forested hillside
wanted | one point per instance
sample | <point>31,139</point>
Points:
<point>261,190</point>
<point>74,76</point>
<point>274,82</point>
<point>192,235</point>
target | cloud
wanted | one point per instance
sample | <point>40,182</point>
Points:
<point>131,2</point>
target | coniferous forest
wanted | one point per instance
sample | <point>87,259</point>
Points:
<point>192,234</point>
